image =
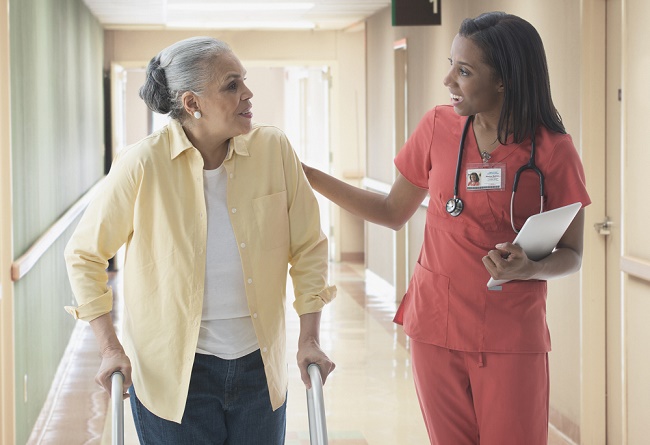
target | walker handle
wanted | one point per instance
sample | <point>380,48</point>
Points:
<point>117,401</point>
<point>316,407</point>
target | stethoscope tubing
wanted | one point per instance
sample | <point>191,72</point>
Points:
<point>455,205</point>
<point>459,163</point>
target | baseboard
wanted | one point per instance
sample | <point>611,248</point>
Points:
<point>565,430</point>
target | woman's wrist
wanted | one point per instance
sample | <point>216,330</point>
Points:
<point>112,351</point>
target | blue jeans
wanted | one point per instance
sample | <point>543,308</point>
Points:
<point>228,404</point>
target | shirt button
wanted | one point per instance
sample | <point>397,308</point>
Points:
<point>243,245</point>
<point>264,349</point>
<point>234,210</point>
<point>232,176</point>
<point>200,251</point>
<point>201,215</point>
<point>250,281</point>
<point>255,315</point>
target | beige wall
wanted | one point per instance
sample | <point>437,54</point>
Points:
<point>267,85</point>
<point>137,46</point>
<point>349,135</point>
<point>136,112</point>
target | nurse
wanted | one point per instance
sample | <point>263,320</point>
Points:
<point>480,356</point>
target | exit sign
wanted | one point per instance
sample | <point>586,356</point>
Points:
<point>416,12</point>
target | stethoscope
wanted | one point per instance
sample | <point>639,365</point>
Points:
<point>455,205</point>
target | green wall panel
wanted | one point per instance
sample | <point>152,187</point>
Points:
<point>57,155</point>
<point>42,333</point>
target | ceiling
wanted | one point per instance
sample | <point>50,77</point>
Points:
<point>233,14</point>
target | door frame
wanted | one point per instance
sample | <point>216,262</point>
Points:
<point>593,412</point>
<point>400,134</point>
<point>615,339</point>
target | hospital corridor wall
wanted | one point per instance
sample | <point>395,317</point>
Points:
<point>53,58</point>
<point>57,153</point>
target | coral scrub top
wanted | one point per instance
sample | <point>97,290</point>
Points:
<point>447,302</point>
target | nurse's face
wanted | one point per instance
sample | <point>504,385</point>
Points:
<point>472,84</point>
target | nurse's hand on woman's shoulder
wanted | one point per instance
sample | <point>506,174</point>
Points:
<point>508,261</point>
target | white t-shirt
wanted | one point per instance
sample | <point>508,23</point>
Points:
<point>226,327</point>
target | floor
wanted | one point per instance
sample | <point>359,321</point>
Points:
<point>369,399</point>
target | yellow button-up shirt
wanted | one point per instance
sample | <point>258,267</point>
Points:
<point>153,201</point>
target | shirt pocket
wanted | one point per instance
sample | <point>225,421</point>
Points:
<point>272,217</point>
<point>426,306</point>
<point>515,318</point>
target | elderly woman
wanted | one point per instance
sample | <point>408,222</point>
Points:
<point>212,209</point>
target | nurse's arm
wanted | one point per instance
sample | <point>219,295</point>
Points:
<point>392,210</point>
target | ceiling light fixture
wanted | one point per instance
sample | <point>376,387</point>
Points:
<point>255,25</point>
<point>240,6</point>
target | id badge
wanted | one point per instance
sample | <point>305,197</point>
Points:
<point>485,177</point>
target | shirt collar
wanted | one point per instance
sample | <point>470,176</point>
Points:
<point>238,145</point>
<point>178,142</point>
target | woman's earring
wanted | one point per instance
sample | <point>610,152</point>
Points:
<point>197,114</point>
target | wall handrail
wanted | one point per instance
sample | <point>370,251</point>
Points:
<point>637,267</point>
<point>26,261</point>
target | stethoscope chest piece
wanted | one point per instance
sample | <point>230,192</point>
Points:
<point>454,206</point>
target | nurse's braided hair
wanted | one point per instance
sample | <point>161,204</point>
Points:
<point>184,66</point>
<point>514,50</point>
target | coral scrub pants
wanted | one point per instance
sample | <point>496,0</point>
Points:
<point>471,398</point>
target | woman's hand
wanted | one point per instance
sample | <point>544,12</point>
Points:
<point>113,361</point>
<point>509,262</point>
<point>310,352</point>
<point>113,357</point>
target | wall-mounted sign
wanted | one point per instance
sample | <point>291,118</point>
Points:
<point>416,12</point>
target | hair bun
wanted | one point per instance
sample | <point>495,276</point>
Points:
<point>155,92</point>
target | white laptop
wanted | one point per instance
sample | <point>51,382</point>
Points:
<point>541,233</point>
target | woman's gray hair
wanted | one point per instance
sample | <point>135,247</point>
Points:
<point>184,66</point>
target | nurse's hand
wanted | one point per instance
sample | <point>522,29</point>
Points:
<point>509,262</point>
